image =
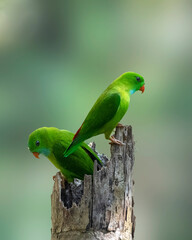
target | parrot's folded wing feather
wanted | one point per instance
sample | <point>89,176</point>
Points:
<point>74,167</point>
<point>91,153</point>
<point>102,112</point>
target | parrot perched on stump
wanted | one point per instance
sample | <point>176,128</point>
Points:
<point>108,110</point>
<point>53,142</point>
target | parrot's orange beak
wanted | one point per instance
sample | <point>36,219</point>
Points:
<point>36,154</point>
<point>142,89</point>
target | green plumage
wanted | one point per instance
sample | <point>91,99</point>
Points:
<point>53,142</point>
<point>108,109</point>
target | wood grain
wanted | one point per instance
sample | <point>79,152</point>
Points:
<point>101,206</point>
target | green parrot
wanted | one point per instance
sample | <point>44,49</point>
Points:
<point>108,110</point>
<point>53,142</point>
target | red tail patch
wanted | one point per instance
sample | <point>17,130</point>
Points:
<point>77,132</point>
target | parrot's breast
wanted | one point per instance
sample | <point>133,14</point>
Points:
<point>53,159</point>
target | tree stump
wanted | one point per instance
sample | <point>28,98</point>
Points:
<point>101,206</point>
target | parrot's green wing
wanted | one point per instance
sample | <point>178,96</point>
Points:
<point>77,164</point>
<point>102,112</point>
<point>91,153</point>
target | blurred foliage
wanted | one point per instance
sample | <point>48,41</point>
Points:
<point>56,57</point>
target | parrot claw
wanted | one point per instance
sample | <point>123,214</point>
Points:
<point>115,141</point>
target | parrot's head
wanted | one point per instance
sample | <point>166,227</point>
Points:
<point>39,142</point>
<point>134,81</point>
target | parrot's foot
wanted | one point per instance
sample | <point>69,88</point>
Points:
<point>115,141</point>
<point>120,125</point>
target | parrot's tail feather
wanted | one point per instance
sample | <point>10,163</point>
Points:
<point>72,147</point>
<point>69,150</point>
<point>75,143</point>
<point>77,132</point>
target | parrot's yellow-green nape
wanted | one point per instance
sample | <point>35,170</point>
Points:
<point>52,143</point>
<point>108,110</point>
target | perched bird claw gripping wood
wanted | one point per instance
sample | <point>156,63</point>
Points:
<point>108,110</point>
<point>52,143</point>
<point>115,141</point>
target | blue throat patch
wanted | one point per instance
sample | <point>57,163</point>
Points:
<point>132,91</point>
<point>45,151</point>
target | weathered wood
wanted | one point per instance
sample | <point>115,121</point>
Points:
<point>101,206</point>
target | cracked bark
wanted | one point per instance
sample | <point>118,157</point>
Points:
<point>101,206</point>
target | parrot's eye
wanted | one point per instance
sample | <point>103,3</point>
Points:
<point>37,143</point>
<point>138,79</point>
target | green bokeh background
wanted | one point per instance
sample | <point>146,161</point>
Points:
<point>56,57</point>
